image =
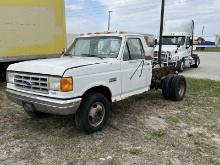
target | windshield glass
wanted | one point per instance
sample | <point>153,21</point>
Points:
<point>173,40</point>
<point>101,47</point>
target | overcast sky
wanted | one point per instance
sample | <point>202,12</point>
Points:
<point>140,15</point>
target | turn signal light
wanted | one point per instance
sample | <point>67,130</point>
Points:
<point>66,84</point>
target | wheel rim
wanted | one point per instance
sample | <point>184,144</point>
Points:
<point>96,114</point>
<point>182,89</point>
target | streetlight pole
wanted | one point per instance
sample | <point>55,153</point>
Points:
<point>161,32</point>
<point>203,28</point>
<point>109,20</point>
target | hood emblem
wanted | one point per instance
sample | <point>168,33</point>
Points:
<point>28,83</point>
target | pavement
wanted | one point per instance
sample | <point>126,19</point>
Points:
<point>208,69</point>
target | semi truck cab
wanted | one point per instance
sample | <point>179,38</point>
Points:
<point>177,45</point>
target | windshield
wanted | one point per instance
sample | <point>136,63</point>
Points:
<point>101,47</point>
<point>173,40</point>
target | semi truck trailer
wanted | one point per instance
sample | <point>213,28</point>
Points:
<point>177,45</point>
<point>202,42</point>
<point>30,29</point>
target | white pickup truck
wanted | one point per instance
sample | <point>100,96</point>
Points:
<point>96,70</point>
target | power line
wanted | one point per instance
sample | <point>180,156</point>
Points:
<point>115,11</point>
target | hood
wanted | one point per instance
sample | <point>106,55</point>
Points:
<point>167,48</point>
<point>55,66</point>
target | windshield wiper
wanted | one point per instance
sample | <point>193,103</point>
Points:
<point>67,54</point>
<point>91,55</point>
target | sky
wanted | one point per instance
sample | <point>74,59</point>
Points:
<point>143,16</point>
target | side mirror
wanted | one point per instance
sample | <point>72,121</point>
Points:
<point>178,46</point>
<point>63,51</point>
<point>191,42</point>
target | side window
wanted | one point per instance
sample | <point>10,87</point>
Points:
<point>135,49</point>
<point>126,56</point>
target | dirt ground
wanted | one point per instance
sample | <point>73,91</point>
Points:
<point>144,129</point>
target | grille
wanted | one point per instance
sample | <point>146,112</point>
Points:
<point>163,56</point>
<point>35,83</point>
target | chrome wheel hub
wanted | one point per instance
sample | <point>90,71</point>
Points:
<point>96,114</point>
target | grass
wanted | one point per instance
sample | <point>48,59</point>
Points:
<point>187,132</point>
<point>159,133</point>
<point>215,49</point>
<point>135,151</point>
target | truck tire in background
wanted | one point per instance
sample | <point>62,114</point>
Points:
<point>180,66</point>
<point>174,87</point>
<point>3,69</point>
<point>32,113</point>
<point>93,113</point>
<point>197,61</point>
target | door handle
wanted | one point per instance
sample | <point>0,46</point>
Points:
<point>147,64</point>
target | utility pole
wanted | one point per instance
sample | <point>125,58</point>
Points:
<point>161,31</point>
<point>109,19</point>
<point>203,28</point>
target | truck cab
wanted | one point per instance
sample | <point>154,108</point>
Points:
<point>177,45</point>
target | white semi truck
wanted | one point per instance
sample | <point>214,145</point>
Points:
<point>177,45</point>
<point>96,70</point>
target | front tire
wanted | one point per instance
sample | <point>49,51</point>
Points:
<point>181,66</point>
<point>93,113</point>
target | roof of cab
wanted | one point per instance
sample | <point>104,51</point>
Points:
<point>117,33</point>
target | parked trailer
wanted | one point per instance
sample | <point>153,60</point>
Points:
<point>30,29</point>
<point>202,42</point>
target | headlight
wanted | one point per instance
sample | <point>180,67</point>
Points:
<point>54,83</point>
<point>64,84</point>
<point>10,77</point>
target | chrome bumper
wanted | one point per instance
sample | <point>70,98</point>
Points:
<point>44,104</point>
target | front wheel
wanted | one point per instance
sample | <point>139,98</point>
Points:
<point>93,113</point>
<point>181,66</point>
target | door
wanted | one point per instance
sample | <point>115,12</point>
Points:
<point>188,46</point>
<point>134,68</point>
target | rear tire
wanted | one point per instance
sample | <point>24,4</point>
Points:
<point>178,88</point>
<point>166,84</point>
<point>197,63</point>
<point>93,113</point>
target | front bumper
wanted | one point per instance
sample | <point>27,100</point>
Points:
<point>45,104</point>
